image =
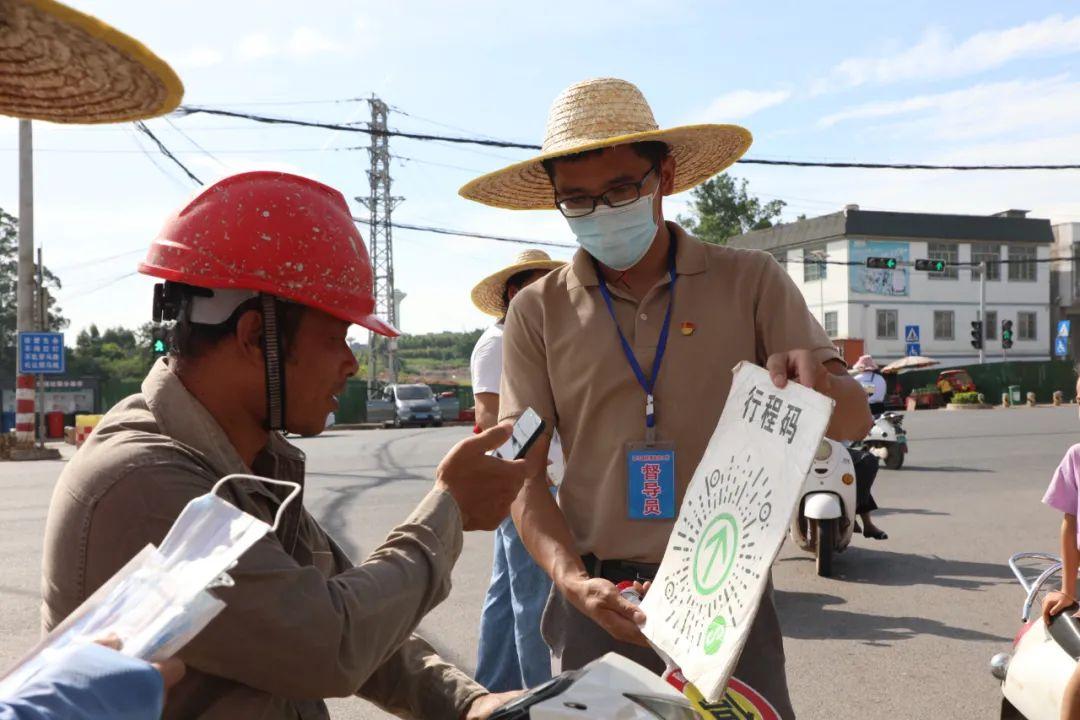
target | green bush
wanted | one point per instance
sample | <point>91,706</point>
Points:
<point>965,398</point>
<point>929,389</point>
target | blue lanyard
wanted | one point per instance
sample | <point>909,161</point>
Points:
<point>647,384</point>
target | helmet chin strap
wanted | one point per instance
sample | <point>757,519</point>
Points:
<point>275,370</point>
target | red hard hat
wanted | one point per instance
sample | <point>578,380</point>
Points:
<point>276,233</point>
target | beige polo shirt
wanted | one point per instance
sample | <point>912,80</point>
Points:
<point>562,357</point>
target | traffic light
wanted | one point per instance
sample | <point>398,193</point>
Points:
<point>158,344</point>
<point>1006,334</point>
<point>930,265</point>
<point>977,334</point>
<point>881,263</point>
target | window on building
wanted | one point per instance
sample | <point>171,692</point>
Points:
<point>990,253</point>
<point>948,252</point>
<point>886,324</point>
<point>990,327</point>
<point>831,324</point>
<point>1026,326</point>
<point>944,325</point>
<point>1025,270</point>
<point>813,266</point>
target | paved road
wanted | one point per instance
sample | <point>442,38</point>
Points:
<point>905,629</point>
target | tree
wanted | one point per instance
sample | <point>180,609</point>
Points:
<point>116,354</point>
<point>723,208</point>
<point>9,276</point>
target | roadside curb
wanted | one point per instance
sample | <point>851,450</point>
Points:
<point>969,406</point>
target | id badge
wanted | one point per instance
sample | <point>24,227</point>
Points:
<point>650,476</point>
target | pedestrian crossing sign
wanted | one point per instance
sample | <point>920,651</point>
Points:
<point>1063,328</point>
<point>911,334</point>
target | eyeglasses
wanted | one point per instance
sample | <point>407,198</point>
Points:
<point>618,196</point>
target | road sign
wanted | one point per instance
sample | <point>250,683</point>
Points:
<point>914,349</point>
<point>41,352</point>
<point>1061,346</point>
<point>911,334</point>
<point>1064,328</point>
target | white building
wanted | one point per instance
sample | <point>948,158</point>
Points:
<point>873,310</point>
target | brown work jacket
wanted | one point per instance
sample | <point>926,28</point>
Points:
<point>302,623</point>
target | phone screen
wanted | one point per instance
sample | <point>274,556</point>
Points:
<point>527,429</point>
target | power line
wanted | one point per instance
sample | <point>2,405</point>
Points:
<point>466,233</point>
<point>165,151</point>
<point>191,110</point>
<point>98,261</point>
<point>903,166</point>
<point>102,286</point>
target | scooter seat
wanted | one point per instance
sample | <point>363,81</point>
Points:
<point>1065,629</point>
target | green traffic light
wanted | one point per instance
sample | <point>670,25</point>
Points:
<point>159,346</point>
<point>891,263</point>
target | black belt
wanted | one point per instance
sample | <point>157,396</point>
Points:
<point>618,571</point>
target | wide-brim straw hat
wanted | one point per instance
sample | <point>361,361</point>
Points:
<point>60,65</point>
<point>602,113</point>
<point>487,296</point>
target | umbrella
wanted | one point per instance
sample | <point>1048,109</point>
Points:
<point>913,362</point>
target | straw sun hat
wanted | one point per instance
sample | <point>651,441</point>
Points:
<point>603,113</point>
<point>60,65</point>
<point>488,293</point>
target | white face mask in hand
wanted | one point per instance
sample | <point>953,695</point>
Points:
<point>211,534</point>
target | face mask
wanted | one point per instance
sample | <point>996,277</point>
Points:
<point>617,237</point>
<point>211,534</point>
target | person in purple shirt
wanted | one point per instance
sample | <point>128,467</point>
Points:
<point>1063,495</point>
<point>94,682</point>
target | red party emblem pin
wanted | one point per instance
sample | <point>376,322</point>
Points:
<point>688,328</point>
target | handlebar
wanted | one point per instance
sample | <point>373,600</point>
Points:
<point>1034,588</point>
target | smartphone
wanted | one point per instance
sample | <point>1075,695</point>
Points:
<point>527,430</point>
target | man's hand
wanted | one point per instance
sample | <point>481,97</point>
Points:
<point>1054,604</point>
<point>799,365</point>
<point>483,486</point>
<point>599,600</point>
<point>482,707</point>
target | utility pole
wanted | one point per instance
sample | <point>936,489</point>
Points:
<point>43,325</point>
<point>24,384</point>
<point>380,204</point>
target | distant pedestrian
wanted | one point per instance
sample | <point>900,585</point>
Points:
<point>512,653</point>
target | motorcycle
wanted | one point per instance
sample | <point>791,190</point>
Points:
<point>887,440</point>
<point>1034,675</point>
<point>611,687</point>
<point>825,520</point>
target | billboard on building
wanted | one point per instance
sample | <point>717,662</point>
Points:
<point>872,281</point>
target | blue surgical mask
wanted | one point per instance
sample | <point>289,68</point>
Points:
<point>617,237</point>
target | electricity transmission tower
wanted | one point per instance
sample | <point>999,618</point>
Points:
<point>380,204</point>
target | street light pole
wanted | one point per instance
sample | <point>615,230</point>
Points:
<point>982,310</point>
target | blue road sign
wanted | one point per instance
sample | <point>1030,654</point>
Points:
<point>911,334</point>
<point>914,349</point>
<point>41,352</point>
<point>1061,346</point>
<point>1064,328</point>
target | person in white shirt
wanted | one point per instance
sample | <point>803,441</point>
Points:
<point>868,374</point>
<point>512,652</point>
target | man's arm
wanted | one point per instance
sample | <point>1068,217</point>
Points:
<point>487,409</point>
<point>287,629</point>
<point>794,346</point>
<point>90,682</point>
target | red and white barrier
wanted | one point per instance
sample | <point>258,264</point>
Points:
<point>24,409</point>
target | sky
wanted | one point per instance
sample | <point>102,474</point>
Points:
<point>925,82</point>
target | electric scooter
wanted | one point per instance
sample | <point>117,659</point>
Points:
<point>1034,675</point>
<point>825,520</point>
